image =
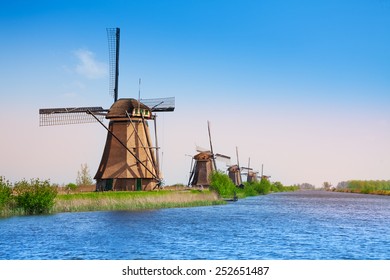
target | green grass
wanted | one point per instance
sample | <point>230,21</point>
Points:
<point>222,184</point>
<point>381,187</point>
<point>103,201</point>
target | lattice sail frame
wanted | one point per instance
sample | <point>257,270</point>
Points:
<point>113,36</point>
<point>64,116</point>
<point>166,104</point>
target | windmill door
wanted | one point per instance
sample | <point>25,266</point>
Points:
<point>139,184</point>
<point>108,186</point>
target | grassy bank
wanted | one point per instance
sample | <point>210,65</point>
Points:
<point>40,197</point>
<point>104,201</point>
<point>223,185</point>
<point>380,187</point>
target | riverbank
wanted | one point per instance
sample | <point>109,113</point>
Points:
<point>40,197</point>
<point>376,192</point>
<point>107,201</point>
<point>378,187</point>
<point>129,201</point>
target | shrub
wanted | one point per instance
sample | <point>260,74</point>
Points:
<point>222,184</point>
<point>263,187</point>
<point>368,186</point>
<point>5,193</point>
<point>71,187</point>
<point>277,187</point>
<point>35,197</point>
<point>250,189</point>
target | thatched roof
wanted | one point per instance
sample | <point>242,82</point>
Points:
<point>234,168</point>
<point>119,108</point>
<point>203,156</point>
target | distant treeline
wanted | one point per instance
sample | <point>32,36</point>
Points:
<point>223,185</point>
<point>368,187</point>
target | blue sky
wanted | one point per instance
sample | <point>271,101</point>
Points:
<point>299,86</point>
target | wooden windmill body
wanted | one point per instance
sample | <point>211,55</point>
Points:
<point>234,172</point>
<point>203,169</point>
<point>251,175</point>
<point>119,169</point>
<point>130,158</point>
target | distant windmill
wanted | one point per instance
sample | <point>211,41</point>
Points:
<point>205,164</point>
<point>252,176</point>
<point>130,160</point>
<point>234,172</point>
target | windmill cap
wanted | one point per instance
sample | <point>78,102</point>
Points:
<point>234,168</point>
<point>123,105</point>
<point>203,156</point>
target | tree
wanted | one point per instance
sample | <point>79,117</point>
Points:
<point>5,192</point>
<point>83,177</point>
<point>306,186</point>
<point>327,186</point>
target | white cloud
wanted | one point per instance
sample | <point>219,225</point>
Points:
<point>88,66</point>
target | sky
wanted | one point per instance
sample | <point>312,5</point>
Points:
<point>301,87</point>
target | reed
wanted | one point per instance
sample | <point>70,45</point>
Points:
<point>133,200</point>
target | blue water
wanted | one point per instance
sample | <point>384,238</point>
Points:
<point>302,225</point>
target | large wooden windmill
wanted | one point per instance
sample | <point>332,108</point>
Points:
<point>130,159</point>
<point>205,164</point>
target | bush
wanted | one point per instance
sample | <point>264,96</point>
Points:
<point>277,187</point>
<point>263,187</point>
<point>368,186</point>
<point>5,193</point>
<point>71,187</point>
<point>35,197</point>
<point>222,184</point>
<point>250,189</point>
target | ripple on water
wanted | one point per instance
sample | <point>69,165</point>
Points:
<point>300,225</point>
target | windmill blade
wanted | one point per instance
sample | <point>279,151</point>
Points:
<point>63,116</point>
<point>166,104</point>
<point>246,168</point>
<point>113,35</point>
<point>238,161</point>
<point>192,171</point>
<point>200,149</point>
<point>211,145</point>
<point>223,158</point>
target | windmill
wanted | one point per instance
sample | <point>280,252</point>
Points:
<point>205,164</point>
<point>130,160</point>
<point>252,176</point>
<point>234,172</point>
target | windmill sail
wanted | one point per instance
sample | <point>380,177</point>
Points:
<point>223,158</point>
<point>63,116</point>
<point>130,160</point>
<point>113,35</point>
<point>166,104</point>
